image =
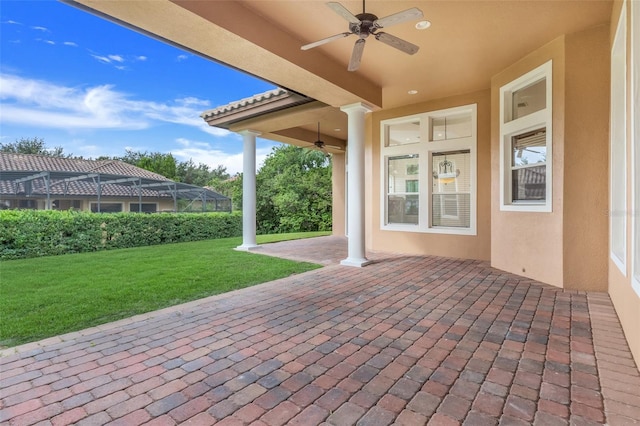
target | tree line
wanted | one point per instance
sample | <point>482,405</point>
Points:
<point>293,186</point>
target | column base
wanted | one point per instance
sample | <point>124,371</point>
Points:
<point>247,247</point>
<point>357,262</point>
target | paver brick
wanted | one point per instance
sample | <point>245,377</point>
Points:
<point>424,403</point>
<point>249,413</point>
<point>410,340</point>
<point>489,404</point>
<point>100,418</point>
<point>587,412</point>
<point>111,387</point>
<point>476,418</point>
<point>410,418</point>
<point>454,407</point>
<point>38,415</point>
<point>128,406</point>
<point>19,409</point>
<point>347,414</point>
<point>520,408</point>
<point>107,401</point>
<point>306,395</point>
<point>553,408</point>
<point>310,416</point>
<point>273,397</point>
<point>134,418</point>
<point>166,404</point>
<point>405,388</point>
<point>69,417</point>
<point>280,414</point>
<point>392,403</point>
<point>189,409</point>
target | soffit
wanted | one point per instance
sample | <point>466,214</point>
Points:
<point>468,43</point>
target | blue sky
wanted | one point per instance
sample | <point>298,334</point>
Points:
<point>96,88</point>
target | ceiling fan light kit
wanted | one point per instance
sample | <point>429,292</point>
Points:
<point>365,24</point>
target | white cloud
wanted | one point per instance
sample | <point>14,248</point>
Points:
<point>12,22</point>
<point>191,101</point>
<point>181,58</point>
<point>202,152</point>
<point>70,43</point>
<point>102,59</point>
<point>110,59</point>
<point>49,42</point>
<point>39,28</point>
<point>39,103</point>
<point>117,60</point>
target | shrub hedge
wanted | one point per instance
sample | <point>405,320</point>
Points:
<point>34,233</point>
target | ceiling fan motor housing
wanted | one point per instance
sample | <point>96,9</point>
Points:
<point>366,26</point>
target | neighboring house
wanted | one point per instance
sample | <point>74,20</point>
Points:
<point>536,102</point>
<point>42,182</point>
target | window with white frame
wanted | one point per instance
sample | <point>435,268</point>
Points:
<point>618,144</point>
<point>144,207</point>
<point>526,142</point>
<point>106,207</point>
<point>635,126</point>
<point>403,195</point>
<point>429,178</point>
<point>451,189</point>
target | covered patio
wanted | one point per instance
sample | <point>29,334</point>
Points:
<point>407,340</point>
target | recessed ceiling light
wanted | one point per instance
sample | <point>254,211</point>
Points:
<point>412,92</point>
<point>423,25</point>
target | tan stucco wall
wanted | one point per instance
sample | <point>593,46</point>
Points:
<point>459,246</point>
<point>624,298</point>
<point>530,243</point>
<point>338,187</point>
<point>586,153</point>
<point>566,247</point>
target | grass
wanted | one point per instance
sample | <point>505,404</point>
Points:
<point>48,296</point>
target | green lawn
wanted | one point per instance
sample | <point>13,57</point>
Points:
<point>47,296</point>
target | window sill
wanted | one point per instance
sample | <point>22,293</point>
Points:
<point>434,230</point>
<point>527,207</point>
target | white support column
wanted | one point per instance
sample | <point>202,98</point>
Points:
<point>248,191</point>
<point>355,185</point>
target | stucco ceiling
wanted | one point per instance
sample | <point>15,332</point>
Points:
<point>468,43</point>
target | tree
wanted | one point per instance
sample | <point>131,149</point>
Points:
<point>294,191</point>
<point>34,145</point>
<point>200,175</point>
<point>156,162</point>
<point>232,188</point>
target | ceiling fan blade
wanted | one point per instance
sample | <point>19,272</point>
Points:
<point>324,41</point>
<point>340,148</point>
<point>398,18</point>
<point>398,43</point>
<point>356,55</point>
<point>342,11</point>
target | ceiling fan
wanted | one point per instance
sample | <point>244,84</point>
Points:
<point>367,24</point>
<point>319,143</point>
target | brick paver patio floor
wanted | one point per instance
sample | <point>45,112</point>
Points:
<point>408,340</point>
